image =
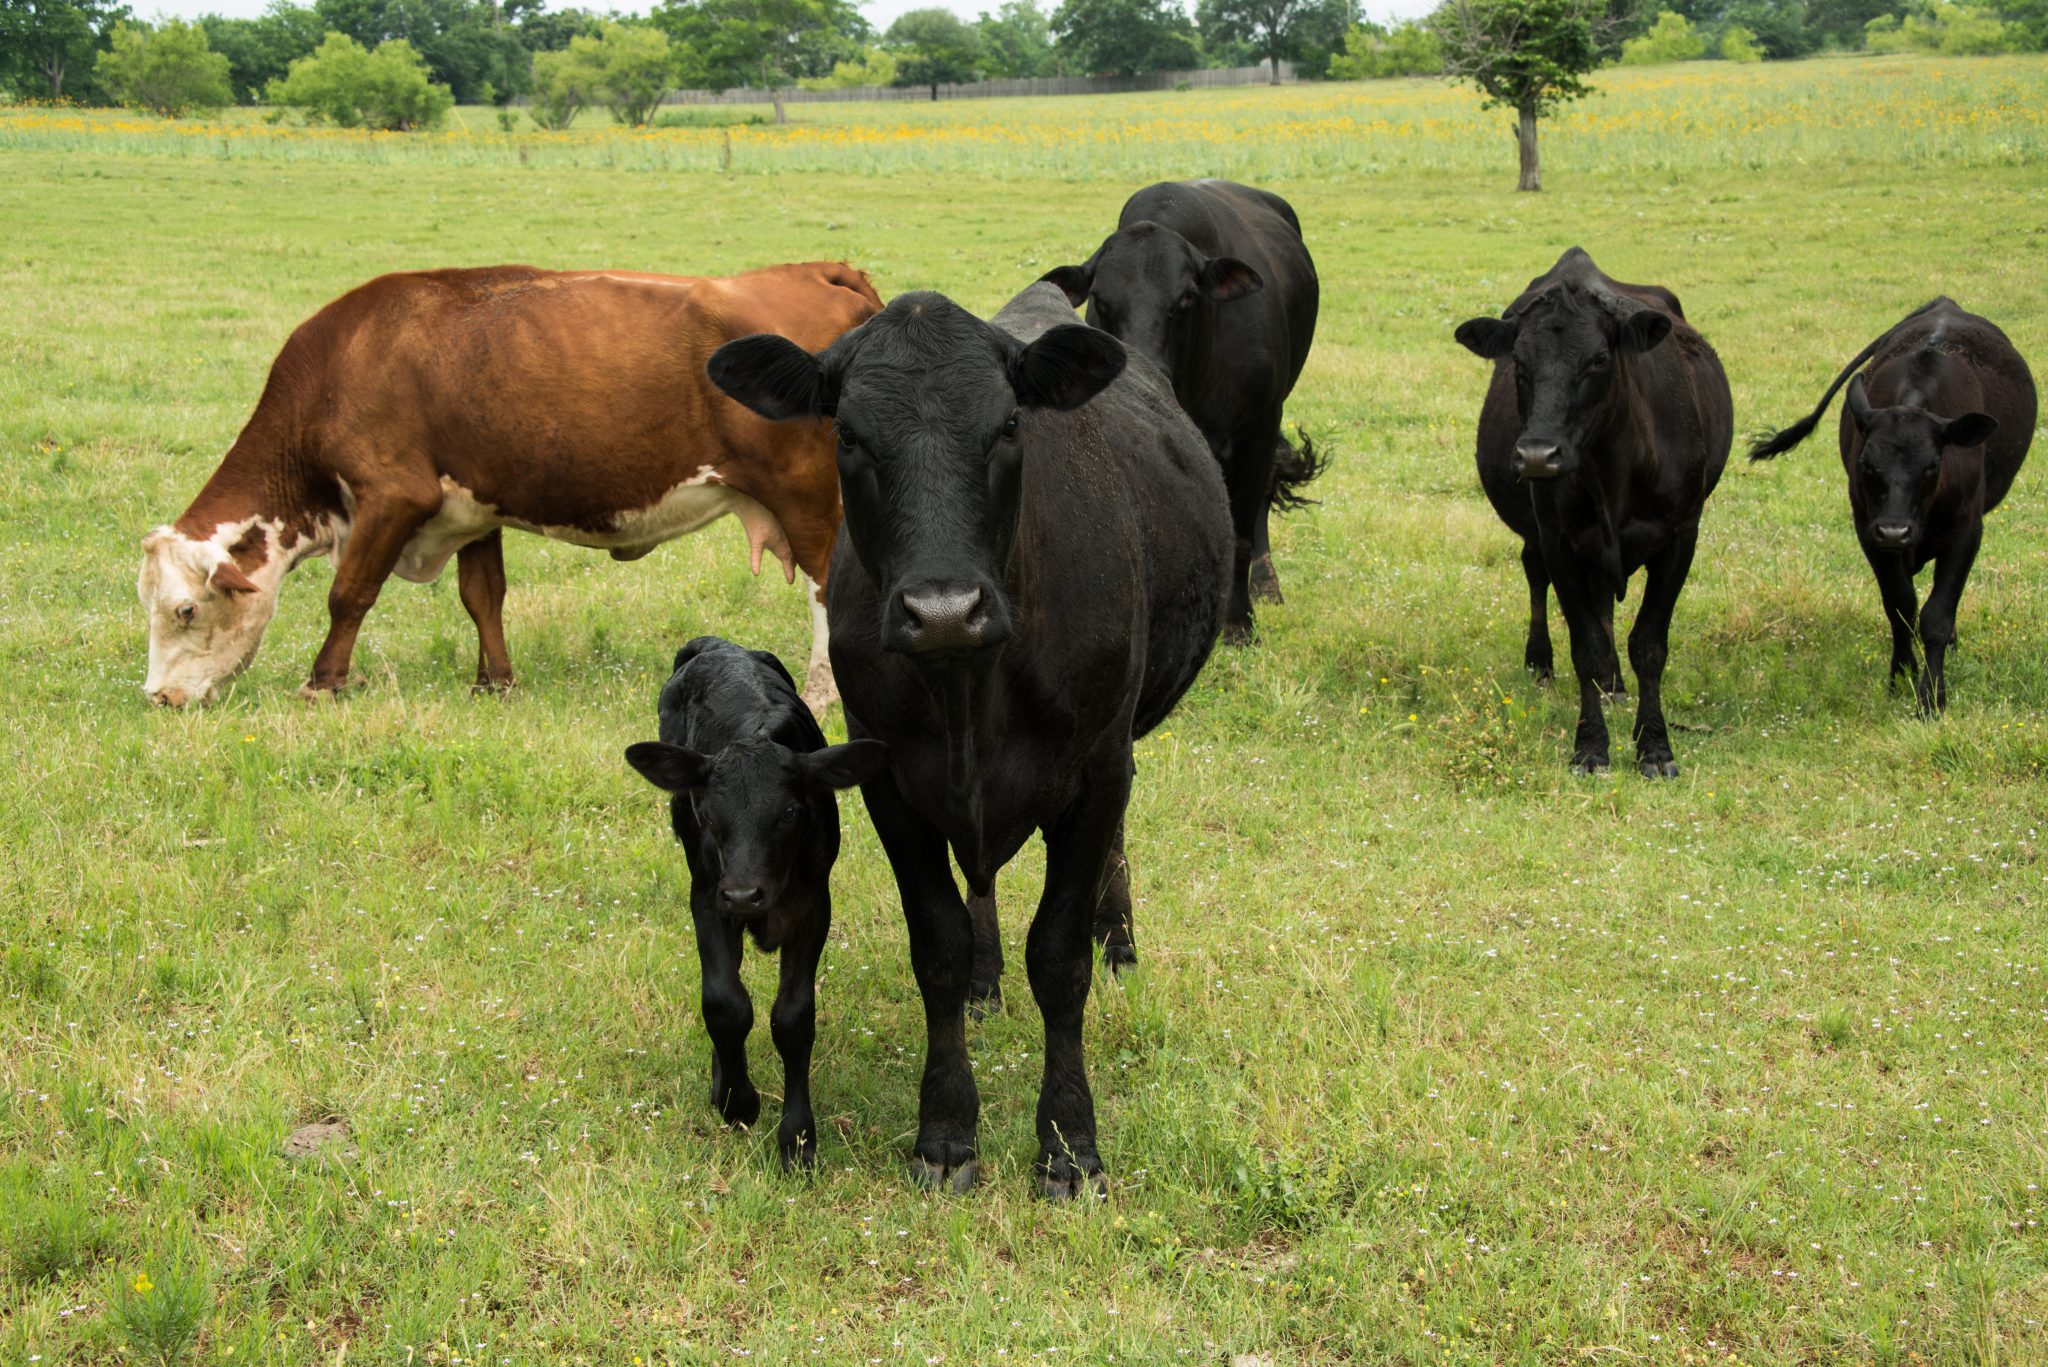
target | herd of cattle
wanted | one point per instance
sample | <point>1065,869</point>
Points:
<point>1020,539</point>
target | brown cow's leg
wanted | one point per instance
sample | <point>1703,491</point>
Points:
<point>810,544</point>
<point>379,535</point>
<point>480,570</point>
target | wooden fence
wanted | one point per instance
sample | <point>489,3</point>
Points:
<point>985,90</point>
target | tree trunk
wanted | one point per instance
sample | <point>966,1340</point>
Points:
<point>781,114</point>
<point>935,92</point>
<point>1274,57</point>
<point>53,67</point>
<point>1525,139</point>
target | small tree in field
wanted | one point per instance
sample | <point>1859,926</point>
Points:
<point>171,71</point>
<point>934,47</point>
<point>1524,55</point>
<point>1276,28</point>
<point>1671,39</point>
<point>357,88</point>
<point>565,83</point>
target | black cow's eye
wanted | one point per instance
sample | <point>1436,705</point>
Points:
<point>791,813</point>
<point>1010,427</point>
<point>847,441</point>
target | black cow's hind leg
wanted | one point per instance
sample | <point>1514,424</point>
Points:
<point>985,984</point>
<point>942,959</point>
<point>1649,645</point>
<point>1113,913</point>
<point>1265,580</point>
<point>1059,956</point>
<point>1536,657</point>
<point>1248,478</point>
<point>728,1011</point>
<point>1895,587</point>
<point>1938,618</point>
<point>793,1020</point>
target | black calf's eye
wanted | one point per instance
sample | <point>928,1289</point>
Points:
<point>1010,427</point>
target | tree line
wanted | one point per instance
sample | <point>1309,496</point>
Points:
<point>399,63</point>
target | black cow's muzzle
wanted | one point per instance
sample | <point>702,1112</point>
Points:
<point>943,619</point>
<point>1538,460</point>
<point>741,899</point>
<point>1892,536</point>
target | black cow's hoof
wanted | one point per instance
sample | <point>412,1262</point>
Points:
<point>1587,765</point>
<point>957,1172</point>
<point>1063,1179</point>
<point>983,1004</point>
<point>1237,633</point>
<point>738,1107</point>
<point>1116,957</point>
<point>1264,582</point>
<point>1659,768</point>
<point>1543,672</point>
<point>800,1158</point>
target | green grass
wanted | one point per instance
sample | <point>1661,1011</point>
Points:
<point>1435,1054</point>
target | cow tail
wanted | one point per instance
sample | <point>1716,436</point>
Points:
<point>1293,468</point>
<point>1767,445</point>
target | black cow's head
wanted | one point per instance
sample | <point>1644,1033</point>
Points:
<point>1899,468</point>
<point>758,801</point>
<point>1565,343</point>
<point>1148,285</point>
<point>933,407</point>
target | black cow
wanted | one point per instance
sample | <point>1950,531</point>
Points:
<point>1919,483</point>
<point>1211,282</point>
<point>1607,424</point>
<point>1031,572</point>
<point>752,783</point>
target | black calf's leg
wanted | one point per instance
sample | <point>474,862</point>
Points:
<point>1895,586</point>
<point>1248,477</point>
<point>1060,959</point>
<point>1536,657</point>
<point>1938,618</point>
<point>985,984</point>
<point>942,959</point>
<point>1648,645</point>
<point>794,1022</point>
<point>1113,915</point>
<point>1592,650</point>
<point>1611,682</point>
<point>728,1011</point>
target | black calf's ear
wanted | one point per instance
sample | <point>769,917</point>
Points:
<point>669,767</point>
<point>842,766</point>
<point>771,375</point>
<point>1225,278</point>
<point>1074,281</point>
<point>1857,401</point>
<point>1643,330</point>
<point>1971,429</point>
<point>1487,338</point>
<point>1066,367</point>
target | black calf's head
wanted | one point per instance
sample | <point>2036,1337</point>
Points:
<point>759,802</point>
<point>1147,284</point>
<point>1899,467</point>
<point>1569,347</point>
<point>934,409</point>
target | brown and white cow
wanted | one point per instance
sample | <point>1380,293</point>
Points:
<point>417,415</point>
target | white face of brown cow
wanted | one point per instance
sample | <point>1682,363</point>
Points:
<point>206,615</point>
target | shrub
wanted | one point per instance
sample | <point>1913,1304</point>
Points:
<point>171,70</point>
<point>627,68</point>
<point>1738,44</point>
<point>1671,39</point>
<point>355,88</point>
<point>875,67</point>
<point>1408,49</point>
<point>1953,30</point>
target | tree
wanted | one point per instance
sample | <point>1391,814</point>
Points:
<point>465,44</point>
<point>875,67</point>
<point>1408,49</point>
<point>170,71</point>
<point>542,30</point>
<point>45,42</point>
<point>934,47</point>
<point>1016,40</point>
<point>767,44</point>
<point>1277,28</point>
<point>1125,36</point>
<point>1524,55</point>
<point>1671,39</point>
<point>564,85</point>
<point>357,88</point>
<point>262,50</point>
<point>636,69</point>
<point>1738,45</point>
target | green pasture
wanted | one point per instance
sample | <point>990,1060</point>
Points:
<point>1435,1054</point>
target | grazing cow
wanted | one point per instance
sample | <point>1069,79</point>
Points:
<point>1606,426</point>
<point>1211,282</point>
<point>1034,570</point>
<point>1919,483</point>
<point>412,418</point>
<point>752,784</point>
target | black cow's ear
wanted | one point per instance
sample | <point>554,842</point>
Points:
<point>1642,330</point>
<point>669,767</point>
<point>1857,401</point>
<point>1066,367</point>
<point>1487,338</point>
<point>842,766</point>
<point>1224,278</point>
<point>1074,281</point>
<point>771,375</point>
<point>1971,429</point>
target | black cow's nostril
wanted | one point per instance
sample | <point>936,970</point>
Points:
<point>1537,459</point>
<point>742,896</point>
<point>945,619</point>
<point>1894,533</point>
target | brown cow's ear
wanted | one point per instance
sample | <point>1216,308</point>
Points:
<point>1487,338</point>
<point>229,579</point>
<point>1066,367</point>
<point>1971,429</point>
<point>668,767</point>
<point>1225,277</point>
<point>771,375</point>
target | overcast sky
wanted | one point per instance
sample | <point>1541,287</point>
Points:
<point>879,12</point>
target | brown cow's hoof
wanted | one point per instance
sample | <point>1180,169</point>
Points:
<point>954,1175</point>
<point>319,692</point>
<point>1063,1179</point>
<point>491,688</point>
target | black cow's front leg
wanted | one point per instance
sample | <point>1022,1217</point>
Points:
<point>1648,646</point>
<point>728,1011</point>
<point>1248,478</point>
<point>1113,914</point>
<point>1059,955</point>
<point>794,1022</point>
<point>1895,586</point>
<point>1938,618</point>
<point>942,959</point>
<point>985,985</point>
<point>1585,618</point>
<point>1536,656</point>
